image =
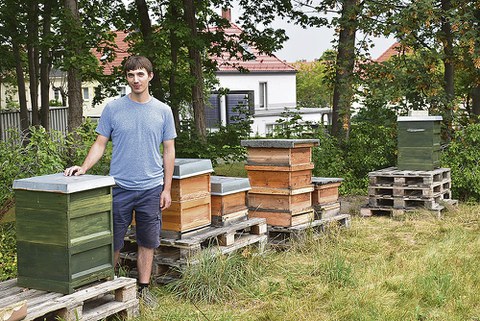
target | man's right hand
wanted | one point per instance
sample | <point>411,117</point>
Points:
<point>74,171</point>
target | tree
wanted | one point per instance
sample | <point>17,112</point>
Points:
<point>74,40</point>
<point>312,87</point>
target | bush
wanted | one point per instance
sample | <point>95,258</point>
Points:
<point>8,253</point>
<point>462,156</point>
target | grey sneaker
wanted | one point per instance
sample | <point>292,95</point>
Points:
<point>147,298</point>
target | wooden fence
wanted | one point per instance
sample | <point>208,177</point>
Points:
<point>11,120</point>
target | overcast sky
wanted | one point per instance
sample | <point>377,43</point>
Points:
<point>310,43</point>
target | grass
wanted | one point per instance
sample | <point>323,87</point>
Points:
<point>414,268</point>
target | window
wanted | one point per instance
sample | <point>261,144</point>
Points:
<point>56,94</point>
<point>263,95</point>
<point>86,93</point>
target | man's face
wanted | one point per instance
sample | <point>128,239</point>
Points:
<point>138,80</point>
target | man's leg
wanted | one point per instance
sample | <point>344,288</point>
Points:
<point>144,264</point>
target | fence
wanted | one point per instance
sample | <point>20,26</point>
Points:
<point>11,119</point>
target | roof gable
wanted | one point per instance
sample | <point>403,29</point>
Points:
<point>261,63</point>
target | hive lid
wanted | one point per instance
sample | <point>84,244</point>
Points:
<point>221,185</point>
<point>419,118</point>
<point>278,143</point>
<point>59,183</point>
<point>326,180</point>
<point>187,167</point>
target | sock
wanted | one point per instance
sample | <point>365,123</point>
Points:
<point>142,286</point>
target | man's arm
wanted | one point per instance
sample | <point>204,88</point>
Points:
<point>168,165</point>
<point>93,156</point>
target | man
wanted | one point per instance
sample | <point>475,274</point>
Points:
<point>137,124</point>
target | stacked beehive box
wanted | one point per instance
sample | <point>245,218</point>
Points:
<point>64,231</point>
<point>229,200</point>
<point>280,174</point>
<point>191,200</point>
<point>325,197</point>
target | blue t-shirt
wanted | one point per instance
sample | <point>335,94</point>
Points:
<point>137,131</point>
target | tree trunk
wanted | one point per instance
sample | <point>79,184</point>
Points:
<point>45,66</point>
<point>196,72</point>
<point>476,102</point>
<point>32,52</point>
<point>448,61</point>
<point>75,100</point>
<point>147,33</point>
<point>343,86</point>
<point>22,96</point>
<point>172,83</point>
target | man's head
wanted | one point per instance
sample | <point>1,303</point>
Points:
<point>137,62</point>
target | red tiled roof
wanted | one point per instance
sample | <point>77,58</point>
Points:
<point>262,62</point>
<point>393,50</point>
<point>121,52</point>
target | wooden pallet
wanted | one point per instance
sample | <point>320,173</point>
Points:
<point>410,191</point>
<point>90,303</point>
<point>282,236</point>
<point>367,211</point>
<point>392,176</point>
<point>409,202</point>
<point>174,254</point>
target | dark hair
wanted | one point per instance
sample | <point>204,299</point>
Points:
<point>138,62</point>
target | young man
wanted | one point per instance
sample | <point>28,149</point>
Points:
<point>137,124</point>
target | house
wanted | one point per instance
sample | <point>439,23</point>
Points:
<point>268,88</point>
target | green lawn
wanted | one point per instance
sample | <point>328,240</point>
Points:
<point>412,268</point>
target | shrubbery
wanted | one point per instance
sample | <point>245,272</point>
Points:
<point>462,156</point>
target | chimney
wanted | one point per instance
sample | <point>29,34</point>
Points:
<point>227,14</point>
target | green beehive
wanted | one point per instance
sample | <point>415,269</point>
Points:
<point>418,142</point>
<point>64,231</point>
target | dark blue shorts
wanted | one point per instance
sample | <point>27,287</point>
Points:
<point>148,216</point>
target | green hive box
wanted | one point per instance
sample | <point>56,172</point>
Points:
<point>64,231</point>
<point>418,142</point>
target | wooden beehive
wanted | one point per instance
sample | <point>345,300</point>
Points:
<point>282,217</point>
<point>280,173</point>
<point>418,142</point>
<point>64,231</point>
<point>229,199</point>
<point>325,190</point>
<point>293,201</point>
<point>279,177</point>
<point>191,200</point>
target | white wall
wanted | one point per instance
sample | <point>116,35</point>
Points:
<point>281,90</point>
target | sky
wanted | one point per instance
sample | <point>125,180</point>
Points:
<point>309,44</point>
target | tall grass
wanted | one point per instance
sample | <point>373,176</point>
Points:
<point>418,267</point>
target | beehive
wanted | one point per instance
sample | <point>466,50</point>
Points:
<point>325,190</point>
<point>280,174</point>
<point>191,200</point>
<point>418,142</point>
<point>229,199</point>
<point>64,231</point>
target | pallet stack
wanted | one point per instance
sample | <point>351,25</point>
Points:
<point>393,191</point>
<point>418,181</point>
<point>280,174</point>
